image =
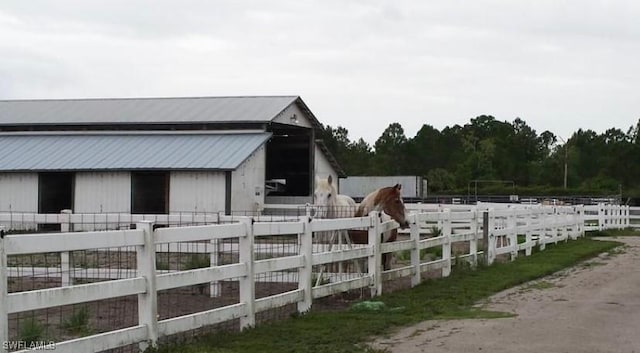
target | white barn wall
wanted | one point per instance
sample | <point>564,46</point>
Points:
<point>102,192</point>
<point>196,192</point>
<point>19,193</point>
<point>247,183</point>
<point>323,168</point>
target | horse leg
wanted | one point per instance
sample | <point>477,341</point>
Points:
<point>387,258</point>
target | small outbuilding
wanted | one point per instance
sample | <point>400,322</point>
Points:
<point>159,155</point>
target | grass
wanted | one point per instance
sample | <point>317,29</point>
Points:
<point>31,330</point>
<point>614,233</point>
<point>78,322</point>
<point>451,297</point>
<point>195,261</point>
<point>539,285</point>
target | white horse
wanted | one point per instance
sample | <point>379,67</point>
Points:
<point>329,204</point>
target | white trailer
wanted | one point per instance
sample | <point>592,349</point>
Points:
<point>360,186</point>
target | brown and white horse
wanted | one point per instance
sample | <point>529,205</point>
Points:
<point>387,200</point>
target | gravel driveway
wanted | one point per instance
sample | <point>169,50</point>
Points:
<point>592,307</point>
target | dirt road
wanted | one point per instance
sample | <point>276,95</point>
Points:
<point>593,307</point>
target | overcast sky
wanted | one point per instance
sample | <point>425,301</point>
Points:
<point>558,65</point>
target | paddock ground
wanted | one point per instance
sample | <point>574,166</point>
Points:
<point>591,307</point>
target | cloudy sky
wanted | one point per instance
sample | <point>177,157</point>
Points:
<point>560,65</point>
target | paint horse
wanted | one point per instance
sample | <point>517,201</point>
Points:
<point>387,200</point>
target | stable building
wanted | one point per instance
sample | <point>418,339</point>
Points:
<point>159,155</point>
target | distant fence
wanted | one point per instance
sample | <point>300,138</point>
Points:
<point>253,265</point>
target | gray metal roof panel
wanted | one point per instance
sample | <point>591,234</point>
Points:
<point>127,151</point>
<point>143,110</point>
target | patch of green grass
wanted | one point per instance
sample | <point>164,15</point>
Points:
<point>162,264</point>
<point>539,285</point>
<point>31,330</point>
<point>451,297</point>
<point>613,233</point>
<point>592,264</point>
<point>195,261</point>
<point>78,322</point>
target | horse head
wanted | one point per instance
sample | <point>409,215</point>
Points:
<point>324,196</point>
<point>389,200</point>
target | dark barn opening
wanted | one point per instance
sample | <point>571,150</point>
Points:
<point>55,193</point>
<point>289,156</point>
<point>150,192</point>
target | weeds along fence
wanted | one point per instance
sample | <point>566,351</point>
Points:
<point>127,288</point>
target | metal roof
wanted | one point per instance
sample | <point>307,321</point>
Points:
<point>75,152</point>
<point>145,110</point>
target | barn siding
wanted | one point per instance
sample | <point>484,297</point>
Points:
<point>323,168</point>
<point>285,117</point>
<point>102,192</point>
<point>246,181</point>
<point>19,192</point>
<point>196,192</point>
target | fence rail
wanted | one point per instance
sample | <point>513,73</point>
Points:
<point>244,241</point>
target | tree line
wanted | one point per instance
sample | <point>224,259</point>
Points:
<point>486,149</point>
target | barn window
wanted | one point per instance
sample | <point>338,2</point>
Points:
<point>55,193</point>
<point>289,167</point>
<point>150,192</point>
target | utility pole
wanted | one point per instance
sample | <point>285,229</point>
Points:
<point>566,157</point>
<point>566,149</point>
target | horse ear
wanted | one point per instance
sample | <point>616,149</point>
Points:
<point>330,179</point>
<point>398,186</point>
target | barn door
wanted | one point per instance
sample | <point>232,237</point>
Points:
<point>55,193</point>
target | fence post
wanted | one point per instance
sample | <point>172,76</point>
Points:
<point>215,289</point>
<point>4,291</point>
<point>305,240</point>
<point>542,221</point>
<point>601,212</point>
<point>414,228</point>
<point>247,283</point>
<point>581,220</point>
<point>627,215</point>
<point>488,225</point>
<point>512,224</point>
<point>375,263</point>
<point>446,247</point>
<point>528,233</point>
<point>568,224</point>
<point>556,225</point>
<point>473,243</point>
<point>65,263</point>
<point>148,301</point>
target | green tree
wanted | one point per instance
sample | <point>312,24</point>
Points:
<point>439,180</point>
<point>390,148</point>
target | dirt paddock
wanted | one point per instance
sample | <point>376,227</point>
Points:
<point>592,307</point>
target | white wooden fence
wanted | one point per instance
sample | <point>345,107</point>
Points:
<point>536,226</point>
